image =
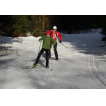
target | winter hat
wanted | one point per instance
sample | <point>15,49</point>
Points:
<point>47,32</point>
<point>54,27</point>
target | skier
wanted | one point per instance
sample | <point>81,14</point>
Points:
<point>54,34</point>
<point>47,43</point>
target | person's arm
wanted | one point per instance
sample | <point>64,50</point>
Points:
<point>54,41</point>
<point>41,38</point>
<point>60,36</point>
<point>50,31</point>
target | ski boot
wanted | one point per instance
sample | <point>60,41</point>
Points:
<point>57,59</point>
<point>35,64</point>
<point>47,66</point>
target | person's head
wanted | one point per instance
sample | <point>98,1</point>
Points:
<point>48,33</point>
<point>54,28</point>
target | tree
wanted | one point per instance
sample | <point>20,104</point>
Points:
<point>21,25</point>
<point>18,25</point>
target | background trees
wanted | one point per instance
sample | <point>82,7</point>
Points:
<point>18,25</point>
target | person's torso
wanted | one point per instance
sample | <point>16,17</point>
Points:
<point>46,42</point>
<point>54,34</point>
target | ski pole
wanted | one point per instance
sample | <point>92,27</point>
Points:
<point>39,48</point>
<point>63,45</point>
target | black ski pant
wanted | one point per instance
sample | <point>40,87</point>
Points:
<point>47,56</point>
<point>55,51</point>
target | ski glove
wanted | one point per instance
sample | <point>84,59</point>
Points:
<point>60,41</point>
<point>40,40</point>
<point>52,44</point>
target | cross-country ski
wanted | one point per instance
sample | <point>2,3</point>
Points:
<point>31,66</point>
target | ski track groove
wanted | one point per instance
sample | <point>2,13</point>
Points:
<point>52,76</point>
<point>101,72</point>
<point>94,67</point>
<point>44,79</point>
<point>25,57</point>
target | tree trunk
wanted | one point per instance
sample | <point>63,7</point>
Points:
<point>43,23</point>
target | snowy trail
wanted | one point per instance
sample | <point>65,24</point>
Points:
<point>101,75</point>
<point>81,65</point>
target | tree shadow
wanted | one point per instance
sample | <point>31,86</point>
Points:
<point>85,42</point>
<point>6,44</point>
<point>4,65</point>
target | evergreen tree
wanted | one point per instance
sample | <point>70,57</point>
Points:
<point>21,25</point>
<point>18,25</point>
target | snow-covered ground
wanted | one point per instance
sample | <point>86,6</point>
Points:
<point>81,64</point>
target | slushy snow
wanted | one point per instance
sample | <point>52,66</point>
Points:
<point>81,66</point>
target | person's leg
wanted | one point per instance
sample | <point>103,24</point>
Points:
<point>47,57</point>
<point>55,51</point>
<point>39,55</point>
<point>50,52</point>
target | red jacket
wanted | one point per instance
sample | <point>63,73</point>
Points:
<point>55,34</point>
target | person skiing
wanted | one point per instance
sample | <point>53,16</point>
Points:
<point>47,43</point>
<point>54,34</point>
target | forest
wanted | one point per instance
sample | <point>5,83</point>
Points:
<point>19,25</point>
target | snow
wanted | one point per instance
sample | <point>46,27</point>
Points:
<point>81,64</point>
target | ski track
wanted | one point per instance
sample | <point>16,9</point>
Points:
<point>53,77</point>
<point>93,64</point>
<point>23,58</point>
<point>56,84</point>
